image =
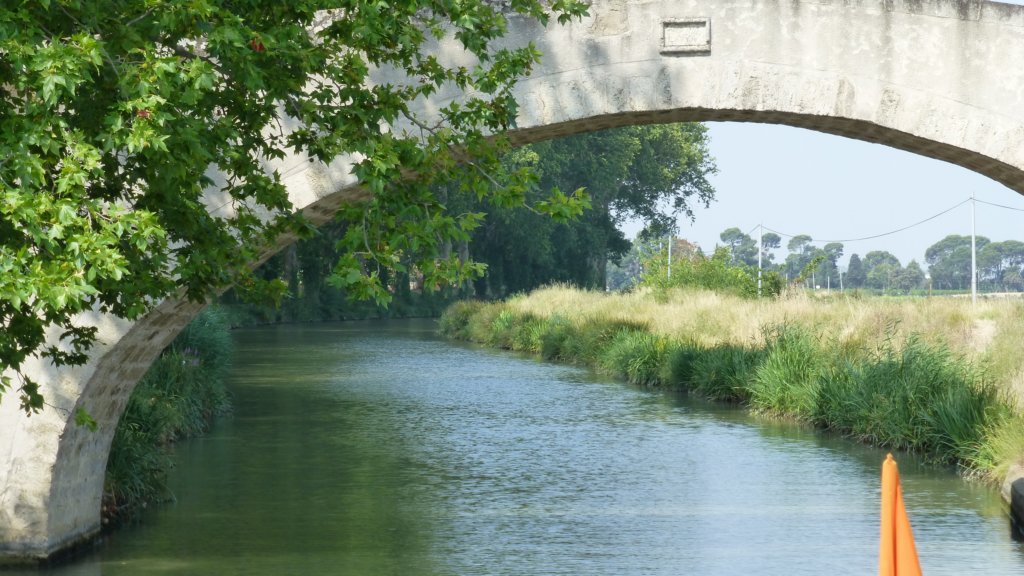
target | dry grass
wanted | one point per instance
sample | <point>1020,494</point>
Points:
<point>989,333</point>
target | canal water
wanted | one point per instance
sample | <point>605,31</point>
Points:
<point>379,449</point>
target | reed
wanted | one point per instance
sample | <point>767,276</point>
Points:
<point>788,380</point>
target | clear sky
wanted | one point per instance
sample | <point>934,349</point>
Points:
<point>799,181</point>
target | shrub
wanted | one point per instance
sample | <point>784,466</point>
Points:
<point>716,273</point>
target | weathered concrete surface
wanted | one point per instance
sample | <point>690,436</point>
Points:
<point>937,77</point>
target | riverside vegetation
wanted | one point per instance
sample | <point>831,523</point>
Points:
<point>177,398</point>
<point>934,376</point>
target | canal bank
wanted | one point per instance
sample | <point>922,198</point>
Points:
<point>876,372</point>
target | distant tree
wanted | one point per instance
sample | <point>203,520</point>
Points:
<point>800,254</point>
<point>799,243</point>
<point>648,173</point>
<point>881,269</point>
<point>879,257</point>
<point>1013,279</point>
<point>882,275</point>
<point>769,241</point>
<point>910,277</point>
<point>996,258</point>
<point>855,275</point>
<point>949,261</point>
<point>834,251</point>
<point>829,269</point>
<point>742,248</point>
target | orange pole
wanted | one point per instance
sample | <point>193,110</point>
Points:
<point>897,554</point>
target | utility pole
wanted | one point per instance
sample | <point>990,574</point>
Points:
<point>974,258</point>
<point>760,247</point>
<point>669,276</point>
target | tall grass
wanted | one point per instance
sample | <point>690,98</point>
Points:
<point>788,379</point>
<point>178,397</point>
<point>936,376</point>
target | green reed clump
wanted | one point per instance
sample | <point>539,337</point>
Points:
<point>480,327</point>
<point>1000,447</point>
<point>513,331</point>
<point>588,340</point>
<point>724,372</point>
<point>178,397</point>
<point>636,356</point>
<point>677,369</point>
<point>788,379</point>
<point>454,322</point>
<point>528,334</point>
<point>554,338</point>
<point>918,396</point>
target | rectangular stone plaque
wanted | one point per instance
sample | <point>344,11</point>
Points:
<point>686,36</point>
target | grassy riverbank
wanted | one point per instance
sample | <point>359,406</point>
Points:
<point>935,376</point>
<point>177,398</point>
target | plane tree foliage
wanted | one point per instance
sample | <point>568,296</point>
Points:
<point>114,113</point>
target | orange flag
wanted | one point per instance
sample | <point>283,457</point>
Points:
<point>897,555</point>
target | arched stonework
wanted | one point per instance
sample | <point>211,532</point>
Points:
<point>942,78</point>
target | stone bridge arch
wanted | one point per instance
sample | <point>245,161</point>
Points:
<point>941,78</point>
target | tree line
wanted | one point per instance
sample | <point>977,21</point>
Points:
<point>1000,264</point>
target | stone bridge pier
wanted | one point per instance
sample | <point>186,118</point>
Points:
<point>941,78</point>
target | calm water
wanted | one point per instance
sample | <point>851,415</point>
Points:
<point>378,449</point>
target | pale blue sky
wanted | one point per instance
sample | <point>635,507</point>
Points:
<point>803,182</point>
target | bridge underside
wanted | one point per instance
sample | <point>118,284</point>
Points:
<point>1006,174</point>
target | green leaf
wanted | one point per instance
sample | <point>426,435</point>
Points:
<point>83,418</point>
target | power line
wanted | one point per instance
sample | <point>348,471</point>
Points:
<point>950,209</point>
<point>999,205</point>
